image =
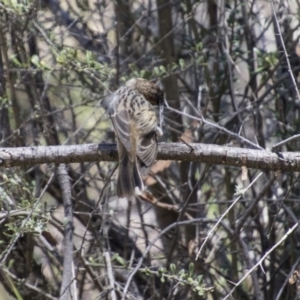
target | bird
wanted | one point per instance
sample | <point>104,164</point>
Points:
<point>136,128</point>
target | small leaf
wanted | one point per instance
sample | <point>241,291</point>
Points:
<point>173,268</point>
<point>174,67</point>
<point>156,70</point>
<point>35,60</point>
<point>142,73</point>
<point>15,61</point>
<point>163,69</point>
<point>10,263</point>
<point>199,46</point>
<point>190,280</point>
<point>181,63</point>
<point>13,181</point>
<point>44,65</point>
<point>120,260</point>
<point>191,269</point>
<point>88,56</point>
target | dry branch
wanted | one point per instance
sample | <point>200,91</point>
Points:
<point>211,154</point>
<point>65,186</point>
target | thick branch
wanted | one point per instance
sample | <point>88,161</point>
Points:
<point>211,154</point>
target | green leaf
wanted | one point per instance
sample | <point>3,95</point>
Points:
<point>15,61</point>
<point>11,263</point>
<point>199,46</point>
<point>142,73</point>
<point>35,60</point>
<point>156,70</point>
<point>190,280</point>
<point>13,181</point>
<point>191,268</point>
<point>174,67</point>
<point>91,260</point>
<point>44,65</point>
<point>119,259</point>
<point>163,69</point>
<point>181,63</point>
<point>88,56</point>
<point>173,268</point>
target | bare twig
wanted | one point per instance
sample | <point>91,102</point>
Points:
<point>224,214</point>
<point>284,50</point>
<point>168,228</point>
<point>290,139</point>
<point>295,265</point>
<point>17,236</point>
<point>83,36</point>
<point>110,275</point>
<point>247,212</point>
<point>30,286</point>
<point>261,260</point>
<point>12,92</point>
<point>223,129</point>
<point>249,264</point>
<point>63,179</point>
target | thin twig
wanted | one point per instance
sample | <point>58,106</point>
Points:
<point>253,204</point>
<point>261,260</point>
<point>223,129</point>
<point>284,50</point>
<point>30,286</point>
<point>110,275</point>
<point>290,139</point>
<point>249,264</point>
<point>224,214</point>
<point>6,252</point>
<point>295,265</point>
<point>168,228</point>
<point>181,140</point>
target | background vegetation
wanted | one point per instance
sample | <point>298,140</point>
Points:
<point>225,61</point>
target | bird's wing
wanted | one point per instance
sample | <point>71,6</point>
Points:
<point>121,122</point>
<point>147,149</point>
<point>107,100</point>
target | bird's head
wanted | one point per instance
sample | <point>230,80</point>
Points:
<point>148,89</point>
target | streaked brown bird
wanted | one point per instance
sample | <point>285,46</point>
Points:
<point>135,124</point>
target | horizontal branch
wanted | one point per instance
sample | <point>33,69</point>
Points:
<point>211,154</point>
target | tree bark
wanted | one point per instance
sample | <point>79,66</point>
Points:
<point>205,153</point>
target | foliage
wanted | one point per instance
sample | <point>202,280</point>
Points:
<point>220,61</point>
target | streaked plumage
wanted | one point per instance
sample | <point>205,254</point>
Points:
<point>136,129</point>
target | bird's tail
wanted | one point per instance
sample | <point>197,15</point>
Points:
<point>129,181</point>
